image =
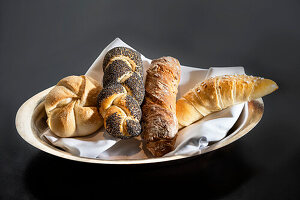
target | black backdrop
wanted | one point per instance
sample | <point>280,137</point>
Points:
<point>43,41</point>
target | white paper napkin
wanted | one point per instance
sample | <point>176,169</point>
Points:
<point>190,139</point>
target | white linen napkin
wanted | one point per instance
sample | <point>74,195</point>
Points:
<point>190,139</point>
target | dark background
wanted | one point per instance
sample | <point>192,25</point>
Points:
<point>44,41</point>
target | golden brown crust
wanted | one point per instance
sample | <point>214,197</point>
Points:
<point>218,93</point>
<point>58,97</point>
<point>159,122</point>
<point>243,87</point>
<point>186,112</point>
<point>226,90</point>
<point>193,99</point>
<point>61,121</point>
<point>263,87</point>
<point>208,96</point>
<point>71,107</point>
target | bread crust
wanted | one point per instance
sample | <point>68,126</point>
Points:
<point>71,107</point>
<point>159,122</point>
<point>218,93</point>
<point>123,93</point>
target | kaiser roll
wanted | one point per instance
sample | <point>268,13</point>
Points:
<point>71,107</point>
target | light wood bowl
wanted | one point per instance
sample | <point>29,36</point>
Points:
<point>31,122</point>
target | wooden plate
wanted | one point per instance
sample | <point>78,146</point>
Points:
<point>31,117</point>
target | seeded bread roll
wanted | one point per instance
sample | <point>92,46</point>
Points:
<point>123,92</point>
<point>159,122</point>
<point>131,57</point>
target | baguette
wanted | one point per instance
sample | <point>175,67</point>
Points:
<point>218,93</point>
<point>159,122</point>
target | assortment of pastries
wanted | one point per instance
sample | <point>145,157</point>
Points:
<point>79,106</point>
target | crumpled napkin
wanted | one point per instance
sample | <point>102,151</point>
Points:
<point>190,140</point>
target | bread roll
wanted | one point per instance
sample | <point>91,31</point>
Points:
<point>71,107</point>
<point>159,122</point>
<point>218,93</point>
<point>123,93</point>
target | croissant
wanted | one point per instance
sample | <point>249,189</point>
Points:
<point>159,108</point>
<point>123,92</point>
<point>71,107</point>
<point>217,93</point>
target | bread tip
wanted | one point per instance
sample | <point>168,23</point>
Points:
<point>273,85</point>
